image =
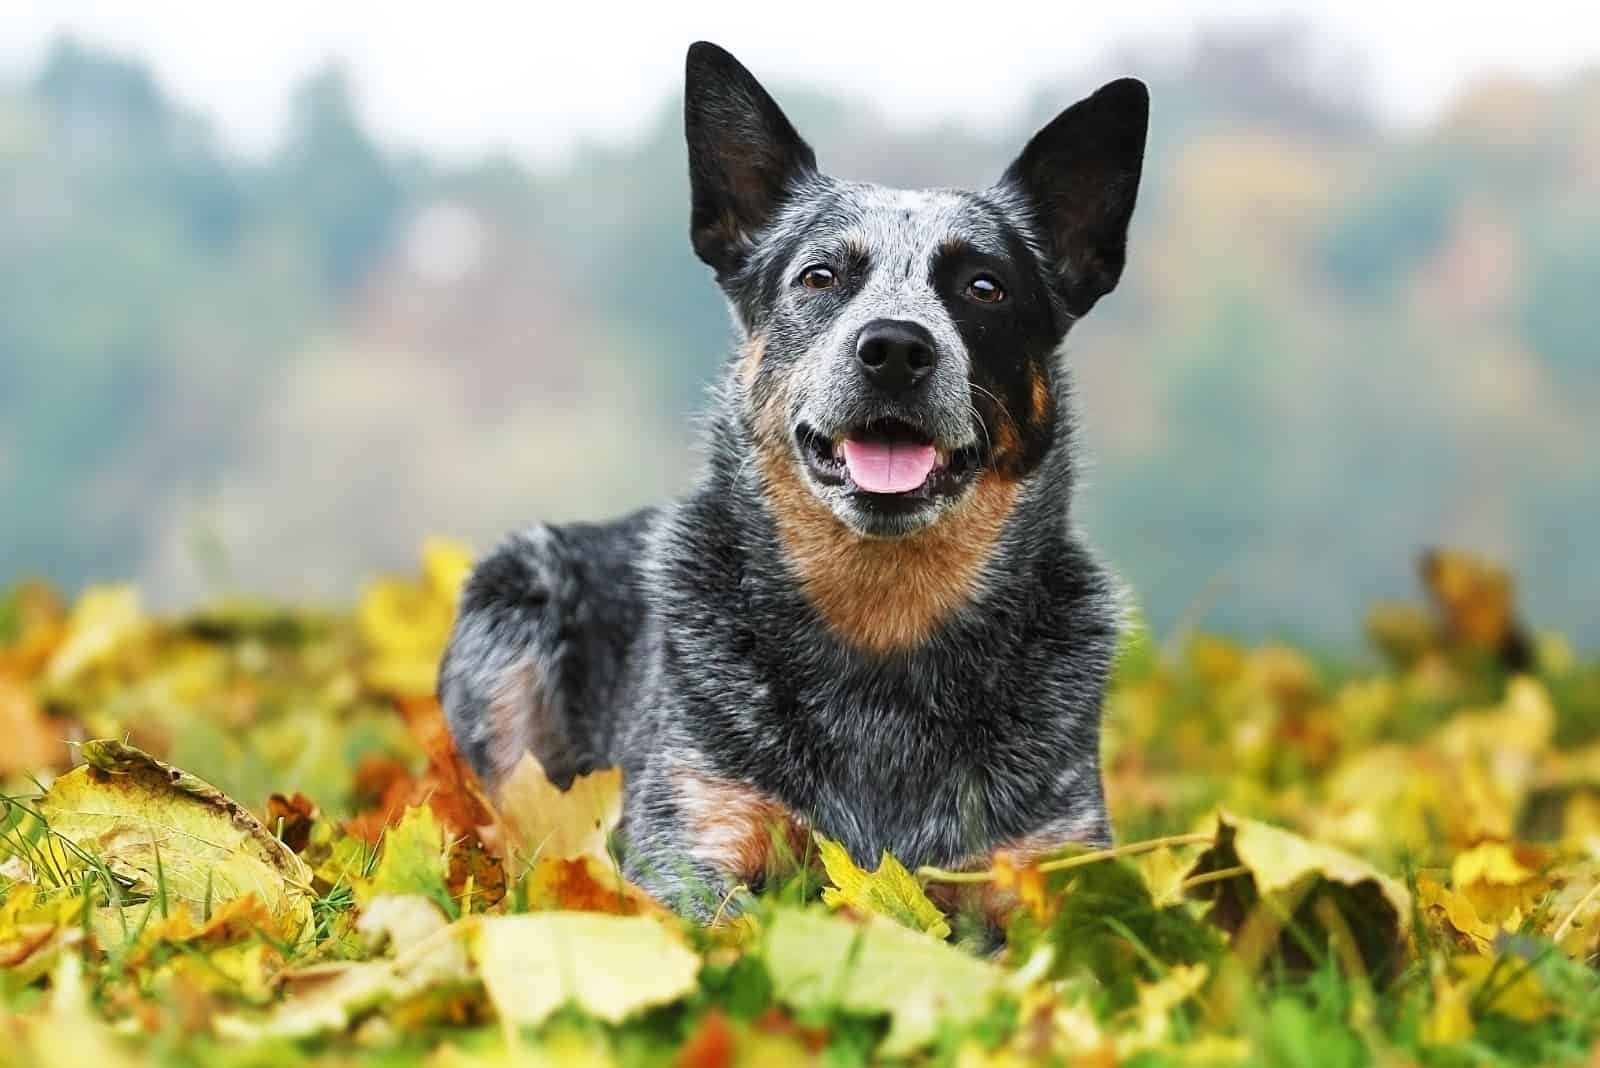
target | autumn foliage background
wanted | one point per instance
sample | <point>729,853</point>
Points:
<point>1341,441</point>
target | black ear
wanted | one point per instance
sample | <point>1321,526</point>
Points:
<point>1079,177</point>
<point>743,156</point>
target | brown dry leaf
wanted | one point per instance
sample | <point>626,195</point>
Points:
<point>541,820</point>
<point>290,818</point>
<point>475,879</point>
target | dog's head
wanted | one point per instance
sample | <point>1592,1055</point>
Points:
<point>900,346</point>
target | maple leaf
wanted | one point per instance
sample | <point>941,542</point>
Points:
<point>412,862</point>
<point>540,819</point>
<point>890,890</point>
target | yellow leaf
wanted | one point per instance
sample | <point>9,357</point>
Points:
<point>1439,901</point>
<point>412,861</point>
<point>405,623</point>
<point>609,966</point>
<point>1278,859</point>
<point>104,620</point>
<point>1156,1002</point>
<point>445,567</point>
<point>1450,1020</point>
<point>1163,871</point>
<point>328,997</point>
<point>890,891</point>
<point>1026,881</point>
<point>1509,986</point>
<point>1289,872</point>
<point>1492,863</point>
<point>168,831</point>
<point>542,820</point>
<point>1500,886</point>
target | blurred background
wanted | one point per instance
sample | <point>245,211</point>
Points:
<point>284,291</point>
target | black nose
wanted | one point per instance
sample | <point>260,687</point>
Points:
<point>895,354</point>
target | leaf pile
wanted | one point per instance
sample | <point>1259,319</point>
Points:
<point>243,837</point>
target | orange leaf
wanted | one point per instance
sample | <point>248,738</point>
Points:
<point>711,1046</point>
<point>585,884</point>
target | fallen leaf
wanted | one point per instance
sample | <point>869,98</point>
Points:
<point>412,861</point>
<point>1282,876</point>
<point>405,623</point>
<point>473,878</point>
<point>585,884</point>
<point>172,834</point>
<point>1025,881</point>
<point>820,962</point>
<point>1153,1012</point>
<point>290,819</point>
<point>105,619</point>
<point>454,793</point>
<point>609,966</point>
<point>1507,986</point>
<point>890,890</point>
<point>328,998</point>
<point>712,1044</point>
<point>1455,916</point>
<point>542,820</point>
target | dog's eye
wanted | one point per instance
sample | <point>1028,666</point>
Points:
<point>817,277</point>
<point>985,290</point>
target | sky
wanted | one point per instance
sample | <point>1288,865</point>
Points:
<point>538,79</point>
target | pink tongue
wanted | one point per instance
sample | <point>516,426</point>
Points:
<point>887,467</point>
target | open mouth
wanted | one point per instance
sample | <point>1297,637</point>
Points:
<point>886,460</point>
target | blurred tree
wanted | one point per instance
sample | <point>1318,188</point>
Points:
<point>331,180</point>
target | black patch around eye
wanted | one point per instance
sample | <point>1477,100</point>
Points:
<point>1011,343</point>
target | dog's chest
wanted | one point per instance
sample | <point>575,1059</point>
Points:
<point>931,777</point>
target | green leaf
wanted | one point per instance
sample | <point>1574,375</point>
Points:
<point>890,891</point>
<point>413,862</point>
<point>821,962</point>
<point>609,966</point>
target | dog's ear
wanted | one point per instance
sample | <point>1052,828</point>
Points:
<point>1079,177</point>
<point>744,156</point>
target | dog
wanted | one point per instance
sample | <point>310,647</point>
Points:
<point>872,617</point>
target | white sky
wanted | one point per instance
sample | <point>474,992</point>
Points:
<point>537,77</point>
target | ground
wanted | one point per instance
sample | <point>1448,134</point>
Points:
<point>240,836</point>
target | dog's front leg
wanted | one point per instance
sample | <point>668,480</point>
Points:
<point>700,842</point>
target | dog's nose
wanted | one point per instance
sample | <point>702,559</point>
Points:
<point>895,354</point>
